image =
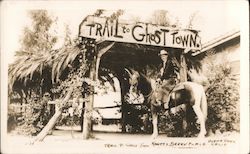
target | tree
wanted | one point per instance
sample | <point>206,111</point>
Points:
<point>161,17</point>
<point>38,64</point>
<point>28,75</point>
<point>38,55</point>
<point>192,18</point>
<point>39,39</point>
<point>37,44</point>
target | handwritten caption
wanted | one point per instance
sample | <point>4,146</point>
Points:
<point>174,144</point>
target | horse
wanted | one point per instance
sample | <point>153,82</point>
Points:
<point>169,95</point>
<point>138,92</point>
<point>139,82</point>
<point>188,93</point>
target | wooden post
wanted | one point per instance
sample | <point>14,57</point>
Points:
<point>183,68</point>
<point>87,123</point>
<point>183,78</point>
<point>123,107</point>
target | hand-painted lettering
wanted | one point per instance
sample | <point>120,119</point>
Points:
<point>141,33</point>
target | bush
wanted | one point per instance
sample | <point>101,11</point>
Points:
<point>35,116</point>
<point>12,119</point>
<point>171,124</point>
<point>71,114</point>
<point>223,100</point>
<point>138,118</point>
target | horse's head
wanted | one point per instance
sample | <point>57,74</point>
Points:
<point>161,93</point>
<point>134,78</point>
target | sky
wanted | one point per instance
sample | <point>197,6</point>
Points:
<point>213,18</point>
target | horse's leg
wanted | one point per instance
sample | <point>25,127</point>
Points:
<point>204,104</point>
<point>197,92</point>
<point>184,122</point>
<point>201,119</point>
<point>155,122</point>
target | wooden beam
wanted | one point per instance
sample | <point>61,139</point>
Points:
<point>99,55</point>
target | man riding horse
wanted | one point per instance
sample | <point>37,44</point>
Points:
<point>169,88</point>
<point>169,72</point>
<point>168,92</point>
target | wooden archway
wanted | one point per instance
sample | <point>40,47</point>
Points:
<point>101,28</point>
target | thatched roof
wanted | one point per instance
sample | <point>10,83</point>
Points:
<point>27,64</point>
<point>120,56</point>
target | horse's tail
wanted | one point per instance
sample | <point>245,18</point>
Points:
<point>204,103</point>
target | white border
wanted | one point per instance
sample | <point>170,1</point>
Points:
<point>244,18</point>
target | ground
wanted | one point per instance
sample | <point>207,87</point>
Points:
<point>67,141</point>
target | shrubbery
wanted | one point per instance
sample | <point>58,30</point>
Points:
<point>35,116</point>
<point>223,100</point>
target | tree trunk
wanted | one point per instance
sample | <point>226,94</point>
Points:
<point>183,68</point>
<point>53,120</point>
<point>82,115</point>
<point>183,78</point>
<point>87,124</point>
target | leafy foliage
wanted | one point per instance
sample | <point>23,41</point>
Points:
<point>171,124</point>
<point>138,114</point>
<point>37,44</point>
<point>42,67</point>
<point>38,38</point>
<point>36,115</point>
<point>51,70</point>
<point>139,120</point>
<point>72,111</point>
<point>39,112</point>
<point>161,17</point>
<point>37,55</point>
<point>223,100</point>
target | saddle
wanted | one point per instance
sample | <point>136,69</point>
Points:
<point>175,88</point>
<point>172,86</point>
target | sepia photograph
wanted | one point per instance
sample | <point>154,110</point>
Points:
<point>124,77</point>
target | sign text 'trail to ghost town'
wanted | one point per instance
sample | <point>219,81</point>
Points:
<point>140,33</point>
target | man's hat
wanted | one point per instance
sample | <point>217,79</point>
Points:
<point>163,52</point>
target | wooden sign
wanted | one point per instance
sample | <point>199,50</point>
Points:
<point>140,33</point>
